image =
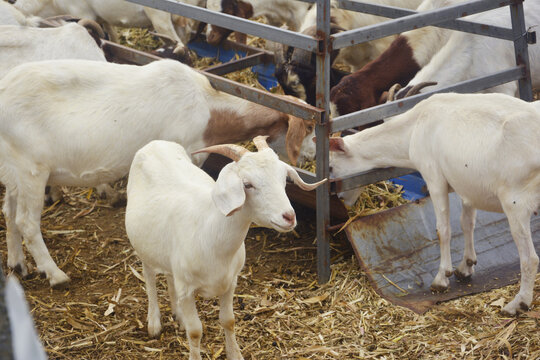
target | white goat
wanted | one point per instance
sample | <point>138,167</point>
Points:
<point>484,146</point>
<point>70,41</point>
<point>278,12</point>
<point>79,123</point>
<point>186,225</point>
<point>115,13</point>
<point>465,56</point>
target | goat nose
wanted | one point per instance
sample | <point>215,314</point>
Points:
<point>289,217</point>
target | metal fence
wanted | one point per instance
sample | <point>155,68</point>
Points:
<point>323,44</point>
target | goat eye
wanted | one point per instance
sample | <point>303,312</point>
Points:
<point>248,186</point>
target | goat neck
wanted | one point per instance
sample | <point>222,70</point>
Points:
<point>233,120</point>
<point>383,145</point>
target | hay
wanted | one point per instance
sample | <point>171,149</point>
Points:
<point>281,312</point>
<point>138,38</point>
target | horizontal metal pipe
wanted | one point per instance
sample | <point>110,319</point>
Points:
<point>384,111</point>
<point>365,178</point>
<point>395,12</point>
<point>235,65</point>
<point>425,18</point>
<point>268,32</point>
<point>265,98</point>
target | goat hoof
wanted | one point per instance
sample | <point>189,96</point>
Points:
<point>119,200</point>
<point>20,270</point>
<point>461,277</point>
<point>438,288</point>
<point>60,281</point>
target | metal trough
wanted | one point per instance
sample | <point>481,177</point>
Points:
<point>399,251</point>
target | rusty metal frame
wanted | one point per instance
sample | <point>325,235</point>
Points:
<point>323,44</point>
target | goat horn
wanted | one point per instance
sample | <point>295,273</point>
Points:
<point>416,88</point>
<point>299,182</point>
<point>166,38</point>
<point>92,25</point>
<point>59,20</point>
<point>392,92</point>
<point>233,152</point>
<point>260,142</point>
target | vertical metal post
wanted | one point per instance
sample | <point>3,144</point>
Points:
<point>521,50</point>
<point>322,132</point>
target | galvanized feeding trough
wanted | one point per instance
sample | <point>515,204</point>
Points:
<point>397,248</point>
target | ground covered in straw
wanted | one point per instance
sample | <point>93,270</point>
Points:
<point>281,311</point>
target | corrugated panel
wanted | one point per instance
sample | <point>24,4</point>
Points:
<point>400,248</point>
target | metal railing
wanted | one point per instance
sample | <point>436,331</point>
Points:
<point>324,43</point>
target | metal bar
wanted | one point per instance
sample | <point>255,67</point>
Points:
<point>367,177</point>
<point>384,111</point>
<point>322,131</point>
<point>395,12</point>
<point>126,54</point>
<point>227,21</point>
<point>431,17</point>
<point>521,50</point>
<point>307,176</point>
<point>264,97</point>
<point>235,65</point>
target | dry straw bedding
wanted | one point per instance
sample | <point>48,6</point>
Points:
<point>280,310</point>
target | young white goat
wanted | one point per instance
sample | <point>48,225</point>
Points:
<point>465,55</point>
<point>484,146</point>
<point>191,228</point>
<point>79,123</point>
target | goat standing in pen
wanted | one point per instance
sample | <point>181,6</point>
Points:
<point>79,123</point>
<point>184,224</point>
<point>483,146</point>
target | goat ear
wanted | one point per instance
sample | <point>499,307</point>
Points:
<point>228,193</point>
<point>337,144</point>
<point>295,136</point>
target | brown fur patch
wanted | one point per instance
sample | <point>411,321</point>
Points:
<point>227,126</point>
<point>363,88</point>
<point>230,7</point>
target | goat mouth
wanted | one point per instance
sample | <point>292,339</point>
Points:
<point>283,228</point>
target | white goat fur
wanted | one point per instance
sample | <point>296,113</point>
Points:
<point>465,56</point>
<point>79,123</point>
<point>25,44</point>
<point>186,225</point>
<point>71,41</point>
<point>358,55</point>
<point>9,15</point>
<point>278,12</point>
<point>115,13</point>
<point>484,146</point>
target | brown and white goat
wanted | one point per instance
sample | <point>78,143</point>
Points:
<point>79,123</point>
<point>407,54</point>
